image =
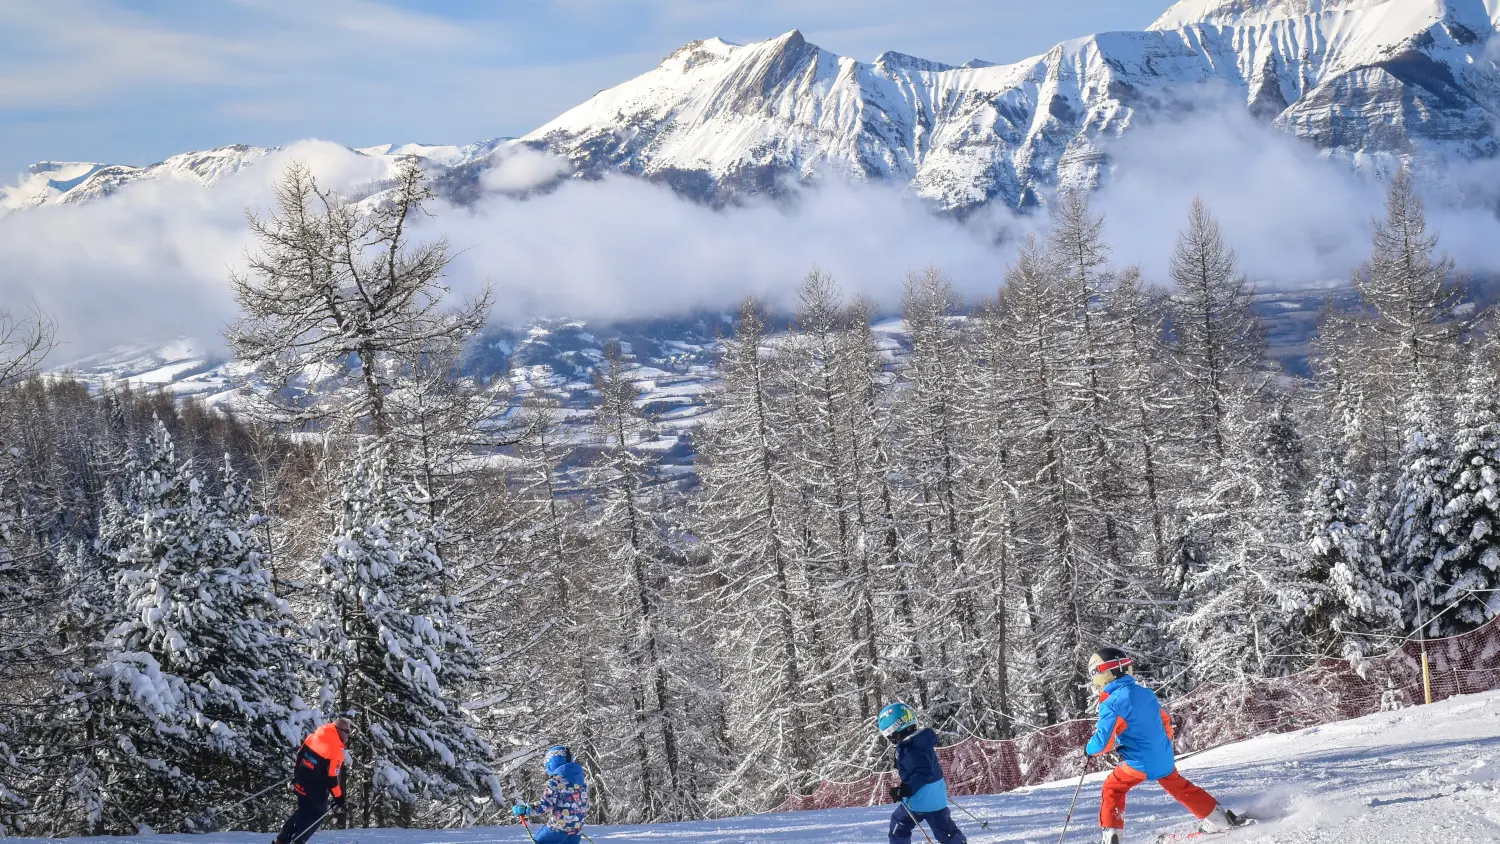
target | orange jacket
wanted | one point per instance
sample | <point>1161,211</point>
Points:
<point>318,763</point>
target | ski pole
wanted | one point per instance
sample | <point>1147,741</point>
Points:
<point>1072,805</point>
<point>916,823</point>
<point>227,806</point>
<point>959,806</point>
<point>528,830</point>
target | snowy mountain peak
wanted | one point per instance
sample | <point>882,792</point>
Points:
<point>892,60</point>
<point>695,53</point>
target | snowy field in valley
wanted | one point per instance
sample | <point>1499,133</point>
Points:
<point>1426,775</point>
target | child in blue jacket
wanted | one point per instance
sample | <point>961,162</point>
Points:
<point>922,794</point>
<point>1132,723</point>
<point>565,802</point>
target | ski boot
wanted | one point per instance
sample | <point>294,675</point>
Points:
<point>1221,820</point>
<point>1111,836</point>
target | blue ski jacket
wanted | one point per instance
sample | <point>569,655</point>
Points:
<point>1132,721</point>
<point>917,764</point>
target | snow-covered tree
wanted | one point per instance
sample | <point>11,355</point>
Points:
<point>1464,576</point>
<point>398,657</point>
<point>1344,604</point>
<point>630,536</point>
<point>1420,311</point>
<point>340,304</point>
<point>891,655</point>
<point>1416,525</point>
<point>1032,341</point>
<point>549,678</point>
<point>1218,341</point>
<point>934,460</point>
<point>1242,598</point>
<point>203,647</point>
<point>747,521</point>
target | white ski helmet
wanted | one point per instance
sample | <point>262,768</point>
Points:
<point>1108,665</point>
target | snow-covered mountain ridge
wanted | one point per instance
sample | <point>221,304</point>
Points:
<point>68,182</point>
<point>1369,82</point>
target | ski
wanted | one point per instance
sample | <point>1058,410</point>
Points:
<point>1199,835</point>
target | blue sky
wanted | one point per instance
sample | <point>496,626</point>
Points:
<point>133,81</point>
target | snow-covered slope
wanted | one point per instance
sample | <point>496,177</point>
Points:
<point>1428,775</point>
<point>1369,82</point>
<point>1361,79</point>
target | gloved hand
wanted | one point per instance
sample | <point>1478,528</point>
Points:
<point>900,792</point>
<point>1087,756</point>
<point>338,805</point>
<point>521,810</point>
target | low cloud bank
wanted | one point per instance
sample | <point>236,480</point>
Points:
<point>151,263</point>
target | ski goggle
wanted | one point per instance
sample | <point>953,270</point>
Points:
<point>895,728</point>
<point>1122,662</point>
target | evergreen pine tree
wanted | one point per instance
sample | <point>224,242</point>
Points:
<point>1465,571</point>
<point>1346,607</point>
<point>1415,526</point>
<point>198,614</point>
<point>134,707</point>
<point>1247,593</point>
<point>398,655</point>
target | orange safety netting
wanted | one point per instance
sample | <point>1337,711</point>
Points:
<point>1208,716</point>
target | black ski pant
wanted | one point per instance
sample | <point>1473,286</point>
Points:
<point>944,830</point>
<point>305,820</point>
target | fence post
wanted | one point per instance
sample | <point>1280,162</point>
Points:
<point>1426,675</point>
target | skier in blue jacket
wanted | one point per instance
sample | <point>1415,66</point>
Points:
<point>1133,724</point>
<point>922,794</point>
<point>564,803</point>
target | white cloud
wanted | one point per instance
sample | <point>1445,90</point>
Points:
<point>1293,216</point>
<point>520,168</point>
<point>626,247</point>
<point>152,262</point>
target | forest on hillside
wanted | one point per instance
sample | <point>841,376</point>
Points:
<point>1089,457</point>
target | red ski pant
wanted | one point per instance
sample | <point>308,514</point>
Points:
<point>1123,778</point>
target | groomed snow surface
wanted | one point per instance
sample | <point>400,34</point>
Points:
<point>1426,775</point>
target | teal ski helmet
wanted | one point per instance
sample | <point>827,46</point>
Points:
<point>896,719</point>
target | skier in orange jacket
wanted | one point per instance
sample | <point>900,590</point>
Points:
<point>316,774</point>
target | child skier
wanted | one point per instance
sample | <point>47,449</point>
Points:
<point>1132,722</point>
<point>315,774</point>
<point>563,804</point>
<point>922,794</point>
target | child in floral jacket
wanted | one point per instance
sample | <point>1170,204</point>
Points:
<point>565,802</point>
